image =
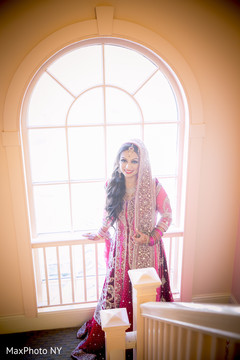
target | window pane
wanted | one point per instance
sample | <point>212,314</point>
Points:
<point>90,257</point>
<point>177,249</point>
<point>52,210</point>
<point>88,200</point>
<point>157,100</point>
<point>48,156</point>
<point>79,290</point>
<point>86,153</point>
<point>116,136</point>
<point>65,271</point>
<point>91,289</point>
<point>77,256</point>
<point>126,68</point>
<point>161,142</point>
<point>88,108</point>
<point>79,69</point>
<point>120,107</point>
<point>51,257</point>
<point>170,186</point>
<point>101,259</point>
<point>49,104</point>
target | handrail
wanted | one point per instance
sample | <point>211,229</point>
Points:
<point>222,320</point>
<point>78,239</point>
<point>172,330</point>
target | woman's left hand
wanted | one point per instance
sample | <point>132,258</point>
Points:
<point>92,236</point>
<point>140,237</point>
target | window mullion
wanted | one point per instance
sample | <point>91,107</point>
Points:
<point>69,179</point>
<point>180,173</point>
<point>145,82</point>
<point>104,106</point>
<point>30,183</point>
<point>59,83</point>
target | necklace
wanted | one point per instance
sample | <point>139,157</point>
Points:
<point>129,193</point>
<point>131,190</point>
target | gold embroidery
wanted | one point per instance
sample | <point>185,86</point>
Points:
<point>139,211</point>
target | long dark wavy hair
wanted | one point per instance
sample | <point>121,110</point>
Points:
<point>116,187</point>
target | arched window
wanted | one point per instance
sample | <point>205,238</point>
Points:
<point>81,106</point>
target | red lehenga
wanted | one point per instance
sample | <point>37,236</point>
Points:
<point>139,212</point>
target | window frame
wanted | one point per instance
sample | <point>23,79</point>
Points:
<point>182,135</point>
<point>182,124</point>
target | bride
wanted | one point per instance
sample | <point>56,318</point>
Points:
<point>133,202</point>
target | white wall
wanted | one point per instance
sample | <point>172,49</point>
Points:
<point>206,34</point>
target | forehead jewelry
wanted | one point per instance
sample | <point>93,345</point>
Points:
<point>130,150</point>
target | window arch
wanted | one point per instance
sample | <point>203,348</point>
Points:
<point>83,103</point>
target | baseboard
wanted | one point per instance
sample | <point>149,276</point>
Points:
<point>217,298</point>
<point>45,320</point>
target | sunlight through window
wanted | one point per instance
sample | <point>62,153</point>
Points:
<point>84,103</point>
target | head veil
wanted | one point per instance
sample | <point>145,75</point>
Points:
<point>145,199</point>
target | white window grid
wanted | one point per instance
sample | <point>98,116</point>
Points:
<point>38,240</point>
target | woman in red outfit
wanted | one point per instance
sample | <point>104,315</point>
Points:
<point>133,202</point>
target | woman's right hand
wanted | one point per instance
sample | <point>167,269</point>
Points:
<point>92,236</point>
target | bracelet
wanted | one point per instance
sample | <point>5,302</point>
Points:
<point>155,235</point>
<point>160,228</point>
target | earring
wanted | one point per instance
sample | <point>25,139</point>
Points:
<point>119,173</point>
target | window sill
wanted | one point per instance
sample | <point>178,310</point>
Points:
<point>70,307</point>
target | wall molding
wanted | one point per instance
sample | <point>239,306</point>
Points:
<point>10,138</point>
<point>197,130</point>
<point>46,320</point>
<point>217,298</point>
<point>105,20</point>
<point>103,25</point>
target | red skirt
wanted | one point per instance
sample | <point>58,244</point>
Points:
<point>92,345</point>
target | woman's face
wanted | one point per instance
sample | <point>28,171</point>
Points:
<point>129,163</point>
